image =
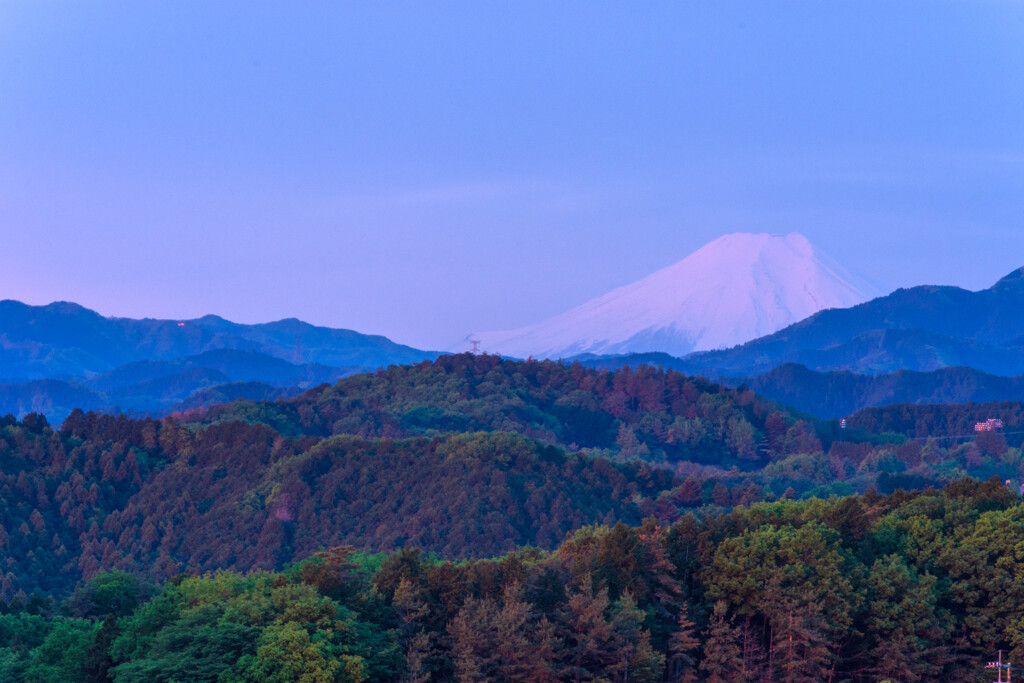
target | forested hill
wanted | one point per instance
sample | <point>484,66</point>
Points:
<point>910,587</point>
<point>158,499</point>
<point>644,413</point>
<point>838,394</point>
<point>943,420</point>
<point>466,456</point>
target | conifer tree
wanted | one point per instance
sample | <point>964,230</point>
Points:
<point>723,658</point>
<point>799,645</point>
<point>513,650</point>
<point>587,632</point>
<point>637,659</point>
<point>683,643</point>
<point>414,639</point>
<point>753,651</point>
<point>473,643</point>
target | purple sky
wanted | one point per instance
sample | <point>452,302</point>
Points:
<point>424,170</point>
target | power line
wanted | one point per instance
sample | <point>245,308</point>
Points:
<point>957,436</point>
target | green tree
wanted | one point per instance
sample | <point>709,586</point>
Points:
<point>285,653</point>
<point>637,659</point>
<point>799,647</point>
<point>682,648</point>
<point>908,631</point>
<point>723,658</point>
<point>62,655</point>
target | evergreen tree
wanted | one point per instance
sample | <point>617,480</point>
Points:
<point>682,646</point>
<point>723,658</point>
<point>637,659</point>
<point>799,645</point>
<point>415,641</point>
<point>473,642</point>
<point>909,633</point>
<point>587,632</point>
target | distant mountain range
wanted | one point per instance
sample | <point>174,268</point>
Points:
<point>63,356</point>
<point>919,345</point>
<point>156,387</point>
<point>65,338</point>
<point>838,394</point>
<point>732,290</point>
<point>920,329</point>
<point>916,345</point>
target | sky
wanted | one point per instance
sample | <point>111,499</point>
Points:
<point>426,170</point>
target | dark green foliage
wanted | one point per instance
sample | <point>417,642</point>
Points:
<point>926,589</point>
<point>939,420</point>
<point>108,593</point>
<point>643,413</point>
<point>837,394</point>
<point>156,499</point>
<point>258,485</point>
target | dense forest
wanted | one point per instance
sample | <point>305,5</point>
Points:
<point>158,498</point>
<point>655,415</point>
<point>464,457</point>
<point>840,393</point>
<point>498,520</point>
<point>907,587</point>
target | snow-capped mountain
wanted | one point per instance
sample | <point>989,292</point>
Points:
<point>734,289</point>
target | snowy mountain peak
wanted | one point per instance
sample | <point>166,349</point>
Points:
<point>736,288</point>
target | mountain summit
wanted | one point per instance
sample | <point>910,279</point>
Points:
<point>734,289</point>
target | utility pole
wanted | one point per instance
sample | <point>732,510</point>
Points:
<point>999,666</point>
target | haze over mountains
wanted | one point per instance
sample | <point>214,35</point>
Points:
<point>65,338</point>
<point>734,289</point>
<point>63,356</point>
<point>895,348</point>
<point>917,345</point>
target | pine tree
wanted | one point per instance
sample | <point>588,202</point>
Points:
<point>473,642</point>
<point>637,660</point>
<point>723,659</point>
<point>586,632</point>
<point>799,643</point>
<point>753,652</point>
<point>682,645</point>
<point>542,665</point>
<point>513,652</point>
<point>414,639</point>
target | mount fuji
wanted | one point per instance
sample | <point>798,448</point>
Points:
<point>734,289</point>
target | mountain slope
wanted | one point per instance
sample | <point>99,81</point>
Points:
<point>664,417</point>
<point>378,462</point>
<point>921,328</point>
<point>156,386</point>
<point>239,366</point>
<point>67,339</point>
<point>734,289</point>
<point>837,394</point>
